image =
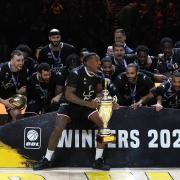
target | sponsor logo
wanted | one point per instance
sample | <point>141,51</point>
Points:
<point>32,138</point>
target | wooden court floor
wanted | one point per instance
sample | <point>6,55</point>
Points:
<point>89,174</point>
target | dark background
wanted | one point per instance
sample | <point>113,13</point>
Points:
<point>87,24</point>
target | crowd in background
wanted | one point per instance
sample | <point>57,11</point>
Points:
<point>86,23</point>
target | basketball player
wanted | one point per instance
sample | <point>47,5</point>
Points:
<point>56,51</point>
<point>13,80</point>
<point>44,90</point>
<point>131,85</point>
<point>82,87</point>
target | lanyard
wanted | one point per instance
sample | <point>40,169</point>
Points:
<point>123,63</point>
<point>133,93</point>
<point>57,61</point>
<point>44,92</point>
<point>15,80</point>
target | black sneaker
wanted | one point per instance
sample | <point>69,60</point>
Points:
<point>42,164</point>
<point>99,164</point>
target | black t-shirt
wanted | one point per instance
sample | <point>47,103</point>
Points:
<point>11,81</point>
<point>42,91</point>
<point>171,98</point>
<point>84,83</point>
<point>128,93</point>
<point>56,58</point>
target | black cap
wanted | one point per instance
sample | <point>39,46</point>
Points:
<point>54,32</point>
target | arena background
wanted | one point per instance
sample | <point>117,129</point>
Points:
<point>29,22</point>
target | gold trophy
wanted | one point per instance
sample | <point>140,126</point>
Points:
<point>18,101</point>
<point>105,112</point>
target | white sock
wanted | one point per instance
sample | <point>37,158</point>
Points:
<point>49,154</point>
<point>99,153</point>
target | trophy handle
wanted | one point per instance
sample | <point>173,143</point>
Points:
<point>115,99</point>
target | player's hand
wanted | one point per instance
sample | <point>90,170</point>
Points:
<point>136,105</point>
<point>55,100</point>
<point>115,106</point>
<point>7,103</point>
<point>92,104</point>
<point>22,90</point>
<point>157,107</point>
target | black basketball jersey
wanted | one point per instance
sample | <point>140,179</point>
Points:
<point>171,98</point>
<point>132,92</point>
<point>56,59</point>
<point>42,91</point>
<point>11,81</point>
<point>84,82</point>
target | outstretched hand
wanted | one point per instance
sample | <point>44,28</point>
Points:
<point>136,105</point>
<point>157,107</point>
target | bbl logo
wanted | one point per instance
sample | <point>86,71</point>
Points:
<point>32,138</point>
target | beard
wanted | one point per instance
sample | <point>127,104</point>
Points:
<point>132,80</point>
<point>55,43</point>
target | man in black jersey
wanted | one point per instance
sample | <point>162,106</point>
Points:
<point>13,80</point>
<point>131,85</point>
<point>44,90</point>
<point>120,39</point>
<point>169,60</point>
<point>82,87</point>
<point>29,62</point>
<point>144,60</point>
<point>167,94</point>
<point>121,60</point>
<point>109,70</point>
<point>56,52</point>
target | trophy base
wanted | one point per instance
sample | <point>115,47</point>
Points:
<point>106,138</point>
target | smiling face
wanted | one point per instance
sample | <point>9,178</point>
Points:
<point>131,74</point>
<point>55,40</point>
<point>176,83</point>
<point>119,38</point>
<point>119,52</point>
<point>44,75</point>
<point>17,62</point>
<point>142,57</point>
<point>167,50</point>
<point>107,68</point>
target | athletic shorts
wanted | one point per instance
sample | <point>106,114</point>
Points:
<point>75,112</point>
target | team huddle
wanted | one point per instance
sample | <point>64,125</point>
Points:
<point>61,80</point>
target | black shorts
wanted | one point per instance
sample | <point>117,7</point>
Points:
<point>75,112</point>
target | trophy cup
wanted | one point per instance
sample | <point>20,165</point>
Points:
<point>18,101</point>
<point>105,111</point>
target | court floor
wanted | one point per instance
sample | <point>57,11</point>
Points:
<point>89,174</point>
